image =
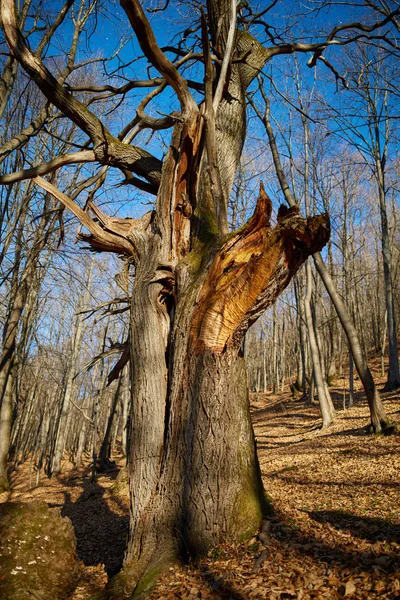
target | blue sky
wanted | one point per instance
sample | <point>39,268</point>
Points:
<point>302,21</point>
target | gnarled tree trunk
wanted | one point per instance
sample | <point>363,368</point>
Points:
<point>195,479</point>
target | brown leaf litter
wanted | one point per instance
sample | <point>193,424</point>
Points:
<point>335,532</point>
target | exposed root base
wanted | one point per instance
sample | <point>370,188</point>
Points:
<point>4,484</point>
<point>136,581</point>
<point>391,385</point>
<point>385,428</point>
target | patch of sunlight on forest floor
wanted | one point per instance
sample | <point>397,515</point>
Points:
<point>336,528</point>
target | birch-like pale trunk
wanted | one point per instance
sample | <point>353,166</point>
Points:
<point>325,402</point>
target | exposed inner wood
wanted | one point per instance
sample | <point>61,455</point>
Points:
<point>252,269</point>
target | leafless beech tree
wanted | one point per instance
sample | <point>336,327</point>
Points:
<point>195,479</point>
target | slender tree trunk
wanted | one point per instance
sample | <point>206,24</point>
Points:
<point>325,403</point>
<point>299,304</point>
<point>383,347</point>
<point>104,453</point>
<point>62,429</point>
<point>379,420</point>
<point>351,379</point>
<point>393,380</point>
<point>275,381</point>
<point>125,412</point>
<point>5,431</point>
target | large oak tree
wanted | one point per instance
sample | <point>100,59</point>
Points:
<point>197,287</point>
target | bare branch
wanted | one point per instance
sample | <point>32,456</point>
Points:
<point>116,348</point>
<point>362,27</point>
<point>61,161</point>
<point>227,58</point>
<point>337,75</point>
<point>108,149</point>
<point>140,184</point>
<point>83,412</point>
<point>107,304</point>
<point>100,239</point>
<point>331,40</point>
<point>120,364</point>
<point>24,136</point>
<point>155,55</point>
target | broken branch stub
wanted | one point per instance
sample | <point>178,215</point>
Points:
<point>251,270</point>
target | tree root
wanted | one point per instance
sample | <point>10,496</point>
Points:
<point>386,428</point>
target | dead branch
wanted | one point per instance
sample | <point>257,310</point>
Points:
<point>100,239</point>
<point>88,419</point>
<point>148,44</point>
<point>108,149</point>
<point>61,161</point>
<point>115,349</point>
<point>118,367</point>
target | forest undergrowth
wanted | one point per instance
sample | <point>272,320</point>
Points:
<point>335,531</point>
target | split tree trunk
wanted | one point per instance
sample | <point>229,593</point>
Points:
<point>194,475</point>
<point>195,478</point>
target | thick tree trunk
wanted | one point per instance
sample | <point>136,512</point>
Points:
<point>195,479</point>
<point>194,476</point>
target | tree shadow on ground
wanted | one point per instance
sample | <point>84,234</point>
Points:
<point>337,398</point>
<point>219,586</point>
<point>339,553</point>
<point>101,534</point>
<point>261,414</point>
<point>369,529</point>
<point>319,482</point>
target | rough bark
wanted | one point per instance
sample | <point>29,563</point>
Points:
<point>195,479</point>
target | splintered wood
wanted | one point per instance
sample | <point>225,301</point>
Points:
<point>251,270</point>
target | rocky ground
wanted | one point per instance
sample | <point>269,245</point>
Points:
<point>336,528</point>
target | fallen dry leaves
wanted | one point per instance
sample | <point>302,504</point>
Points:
<point>335,532</point>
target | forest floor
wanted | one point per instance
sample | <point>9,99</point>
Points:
<point>335,531</point>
